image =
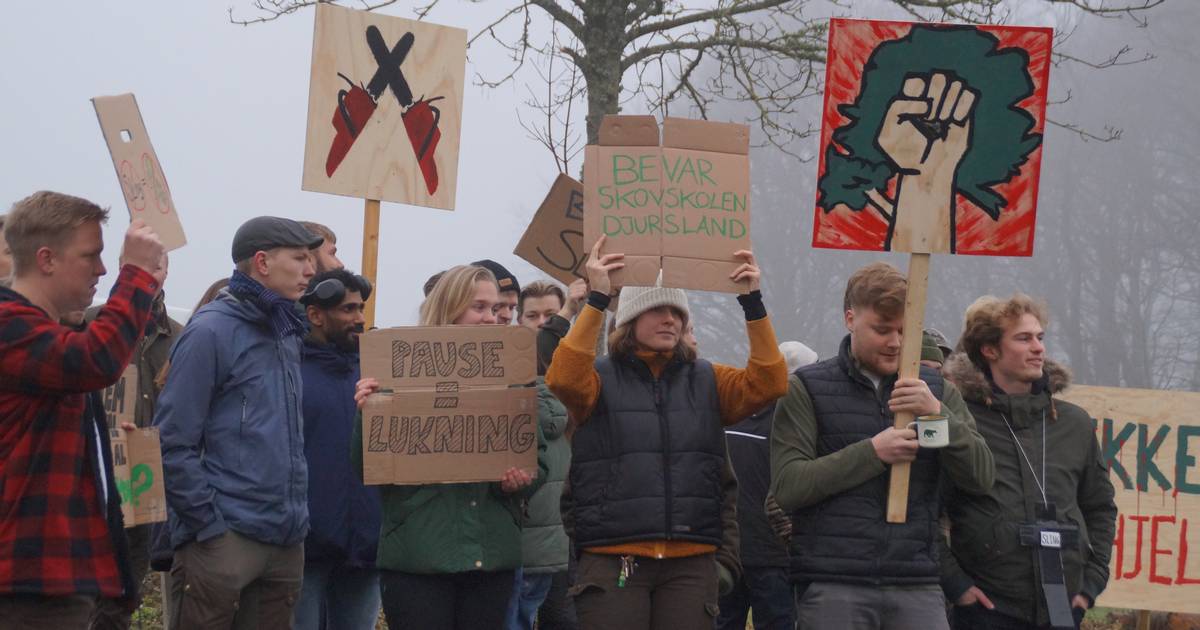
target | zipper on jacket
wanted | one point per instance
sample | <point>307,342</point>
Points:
<point>665,435</point>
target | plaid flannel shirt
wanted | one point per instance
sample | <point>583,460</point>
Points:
<point>54,537</point>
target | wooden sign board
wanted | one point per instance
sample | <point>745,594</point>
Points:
<point>553,242</point>
<point>137,471</point>
<point>1150,441</point>
<point>142,180</point>
<point>120,398</point>
<point>456,411</point>
<point>931,137</point>
<point>384,108</point>
<point>682,206</point>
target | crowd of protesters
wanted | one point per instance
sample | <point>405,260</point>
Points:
<point>670,491</point>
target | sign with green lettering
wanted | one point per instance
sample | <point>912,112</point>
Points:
<point>682,206</point>
<point>1150,443</point>
<point>137,471</point>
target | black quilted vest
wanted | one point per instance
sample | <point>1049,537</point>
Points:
<point>846,538</point>
<point>647,464</point>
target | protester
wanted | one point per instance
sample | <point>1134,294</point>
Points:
<point>341,585</point>
<point>448,552</point>
<point>931,355</point>
<point>230,419</point>
<point>941,342</point>
<point>149,357</point>
<point>510,290</point>
<point>540,300</point>
<point>61,538</point>
<point>5,257</point>
<point>648,449</point>
<point>1046,453</point>
<point>764,588</point>
<point>161,552</point>
<point>832,441</point>
<point>324,257</point>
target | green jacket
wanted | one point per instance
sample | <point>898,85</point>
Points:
<point>544,542</point>
<point>452,527</point>
<point>984,544</point>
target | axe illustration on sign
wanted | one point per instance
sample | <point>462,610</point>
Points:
<point>356,105</point>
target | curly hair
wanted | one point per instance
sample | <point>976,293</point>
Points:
<point>987,318</point>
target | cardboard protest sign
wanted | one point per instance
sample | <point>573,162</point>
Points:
<point>137,471</point>
<point>931,137</point>
<point>384,108</point>
<point>682,206</point>
<point>142,181</point>
<point>452,415</point>
<point>120,398</point>
<point>1150,441</point>
<point>553,242</point>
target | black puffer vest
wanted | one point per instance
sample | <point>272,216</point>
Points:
<point>846,538</point>
<point>647,464</point>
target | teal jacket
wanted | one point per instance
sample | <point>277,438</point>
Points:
<point>544,542</point>
<point>452,527</point>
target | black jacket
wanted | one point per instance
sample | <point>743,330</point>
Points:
<point>749,450</point>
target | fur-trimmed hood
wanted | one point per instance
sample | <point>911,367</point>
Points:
<point>975,387</point>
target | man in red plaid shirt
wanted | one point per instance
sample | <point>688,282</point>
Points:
<point>61,544</point>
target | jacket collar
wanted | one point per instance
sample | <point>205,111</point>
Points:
<point>977,387</point>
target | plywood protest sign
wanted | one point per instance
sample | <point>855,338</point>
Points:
<point>1150,441</point>
<point>931,139</point>
<point>137,471</point>
<point>682,206</point>
<point>452,414</point>
<point>384,108</point>
<point>142,181</point>
<point>553,242</point>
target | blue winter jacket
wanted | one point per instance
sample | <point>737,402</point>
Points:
<point>345,514</point>
<point>230,423</point>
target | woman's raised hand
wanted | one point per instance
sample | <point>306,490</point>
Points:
<point>599,267</point>
<point>364,388</point>
<point>748,271</point>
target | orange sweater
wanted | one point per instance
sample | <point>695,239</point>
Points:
<point>740,392</point>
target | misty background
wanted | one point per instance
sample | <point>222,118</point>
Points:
<point>226,106</point>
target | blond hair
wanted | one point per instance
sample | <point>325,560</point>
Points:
<point>319,230</point>
<point>878,286</point>
<point>988,316</point>
<point>453,293</point>
<point>45,219</point>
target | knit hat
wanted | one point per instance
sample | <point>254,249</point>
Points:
<point>797,355</point>
<point>930,350</point>
<point>940,340</point>
<point>504,278</point>
<point>634,301</point>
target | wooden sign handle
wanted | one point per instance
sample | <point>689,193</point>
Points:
<point>910,367</point>
<point>370,256</point>
<point>1143,620</point>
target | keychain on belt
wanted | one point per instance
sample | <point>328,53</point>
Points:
<point>628,564</point>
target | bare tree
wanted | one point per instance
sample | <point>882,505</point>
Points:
<point>767,54</point>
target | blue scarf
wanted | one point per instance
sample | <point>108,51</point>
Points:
<point>285,321</point>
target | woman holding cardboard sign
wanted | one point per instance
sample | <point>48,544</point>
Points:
<point>648,449</point>
<point>448,552</point>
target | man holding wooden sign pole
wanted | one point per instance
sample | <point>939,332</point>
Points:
<point>832,443</point>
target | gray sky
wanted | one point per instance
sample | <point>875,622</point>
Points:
<point>226,108</point>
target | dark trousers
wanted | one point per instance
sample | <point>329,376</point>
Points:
<point>472,600</point>
<point>38,612</point>
<point>765,590</point>
<point>218,576</point>
<point>666,594</point>
<point>833,606</point>
<point>111,614</point>
<point>558,610</point>
<point>979,618</point>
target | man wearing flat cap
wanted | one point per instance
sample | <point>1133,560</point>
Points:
<point>232,436</point>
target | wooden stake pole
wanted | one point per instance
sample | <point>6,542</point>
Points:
<point>910,367</point>
<point>370,256</point>
<point>1143,620</point>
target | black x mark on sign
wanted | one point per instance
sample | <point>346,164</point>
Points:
<point>389,73</point>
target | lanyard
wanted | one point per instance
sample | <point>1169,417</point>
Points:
<point>1041,485</point>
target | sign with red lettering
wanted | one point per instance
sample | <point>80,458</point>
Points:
<point>1150,441</point>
